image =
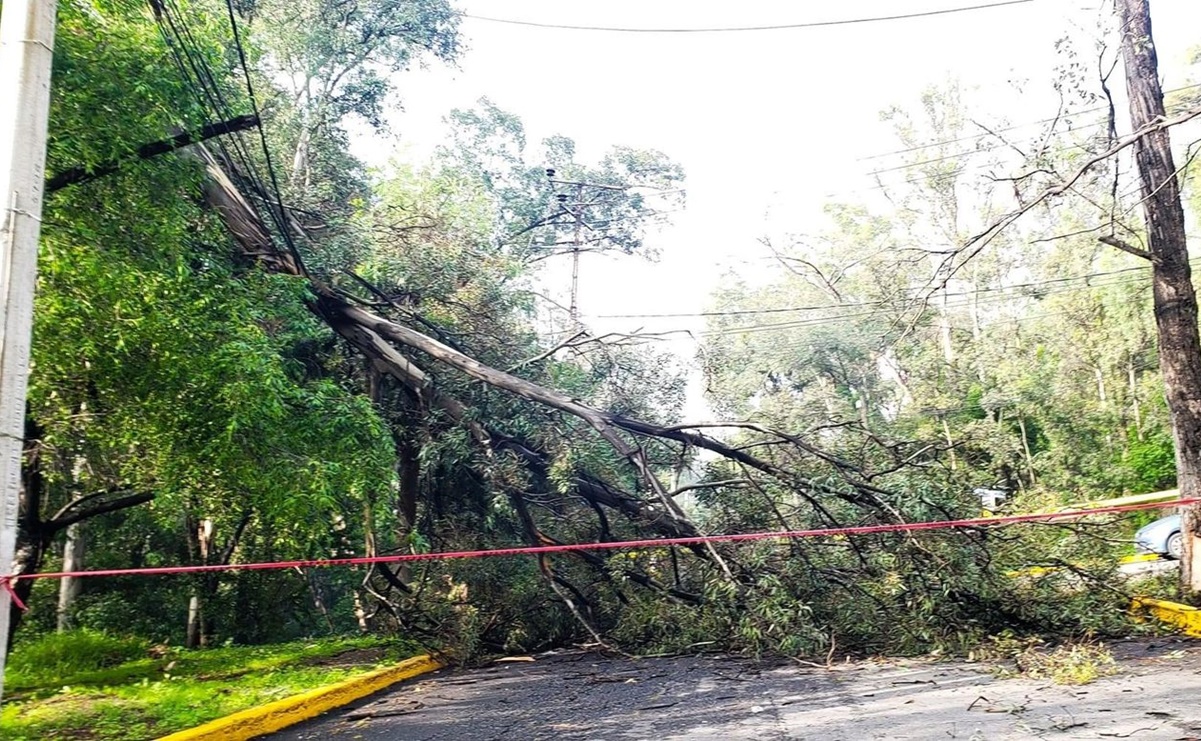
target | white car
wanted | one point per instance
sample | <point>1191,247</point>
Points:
<point>1162,536</point>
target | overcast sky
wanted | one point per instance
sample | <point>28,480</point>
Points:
<point>767,124</point>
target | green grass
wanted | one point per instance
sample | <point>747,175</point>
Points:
<point>88,686</point>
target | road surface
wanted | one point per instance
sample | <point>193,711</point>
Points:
<point>1160,566</point>
<point>586,696</point>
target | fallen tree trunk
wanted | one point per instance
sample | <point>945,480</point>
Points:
<point>381,340</point>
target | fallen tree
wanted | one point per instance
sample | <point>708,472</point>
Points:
<point>954,578</point>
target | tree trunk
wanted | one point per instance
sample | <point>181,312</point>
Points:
<point>409,469</point>
<point>1138,412</point>
<point>946,430</point>
<point>32,535</point>
<point>68,587</point>
<point>944,331</point>
<point>202,548</point>
<point>409,465</point>
<point>195,632</point>
<point>1026,449</point>
<point>1171,279</point>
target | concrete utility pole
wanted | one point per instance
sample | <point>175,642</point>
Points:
<point>26,54</point>
<point>1171,276</point>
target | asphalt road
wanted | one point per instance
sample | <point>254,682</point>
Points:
<point>585,696</point>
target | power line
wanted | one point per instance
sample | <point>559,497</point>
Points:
<point>972,137</point>
<point>840,318</point>
<point>958,155</point>
<point>200,78</point>
<point>949,176</point>
<point>278,201</point>
<point>821,321</point>
<point>736,29</point>
<point>1013,127</point>
<point>1033,285</point>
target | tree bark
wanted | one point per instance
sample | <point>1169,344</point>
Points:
<point>32,535</point>
<point>1171,278</point>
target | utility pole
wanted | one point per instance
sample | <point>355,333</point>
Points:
<point>26,55</point>
<point>576,210</point>
<point>1171,278</point>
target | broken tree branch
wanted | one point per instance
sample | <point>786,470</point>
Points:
<point>1124,246</point>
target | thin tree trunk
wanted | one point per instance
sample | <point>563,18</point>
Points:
<point>944,327</point>
<point>1026,449</point>
<point>315,592</point>
<point>1138,412</point>
<point>1171,277</point>
<point>360,613</point>
<point>195,633</point>
<point>946,430</point>
<point>409,489</point>
<point>977,331</point>
<point>68,587</point>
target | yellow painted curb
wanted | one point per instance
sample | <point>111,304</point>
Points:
<point>1188,619</point>
<point>1139,558</point>
<point>274,716</point>
<point>1040,570</point>
<point>1032,571</point>
<point>1150,497</point>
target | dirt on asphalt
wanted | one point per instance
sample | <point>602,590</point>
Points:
<point>1154,696</point>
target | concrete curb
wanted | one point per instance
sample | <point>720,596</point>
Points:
<point>1187,619</point>
<point>289,711</point>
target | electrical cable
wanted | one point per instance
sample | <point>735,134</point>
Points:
<point>836,319</point>
<point>839,319</point>
<point>287,233</point>
<point>738,29</point>
<point>199,76</point>
<point>1012,127</point>
<point>958,294</point>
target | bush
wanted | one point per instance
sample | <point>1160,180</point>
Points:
<point>1152,463</point>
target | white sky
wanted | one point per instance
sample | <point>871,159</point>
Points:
<point>761,121</point>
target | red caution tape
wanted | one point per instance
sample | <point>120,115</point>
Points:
<point>6,582</point>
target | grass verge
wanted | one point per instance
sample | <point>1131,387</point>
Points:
<point>119,690</point>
